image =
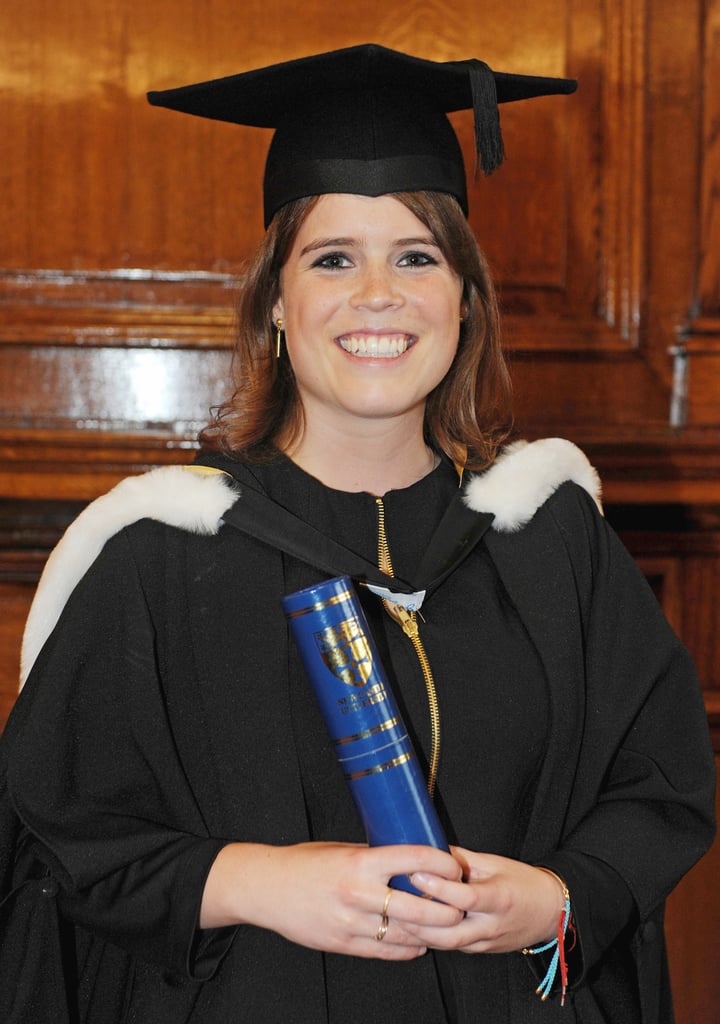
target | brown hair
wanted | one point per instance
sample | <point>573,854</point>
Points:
<point>467,415</point>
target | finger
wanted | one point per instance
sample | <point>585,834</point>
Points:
<point>453,893</point>
<point>389,950</point>
<point>463,936</point>
<point>406,859</point>
<point>407,908</point>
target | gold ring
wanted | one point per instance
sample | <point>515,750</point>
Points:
<point>384,919</point>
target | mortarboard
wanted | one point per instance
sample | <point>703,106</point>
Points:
<point>365,120</point>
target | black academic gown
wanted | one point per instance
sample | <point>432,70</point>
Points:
<point>167,714</point>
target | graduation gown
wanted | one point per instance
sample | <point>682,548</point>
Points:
<point>165,714</point>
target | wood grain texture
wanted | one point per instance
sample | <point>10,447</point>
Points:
<point>121,214</point>
<point>709,251</point>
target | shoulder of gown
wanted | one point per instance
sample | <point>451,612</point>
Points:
<point>188,498</point>
<point>195,498</point>
<point>524,476</point>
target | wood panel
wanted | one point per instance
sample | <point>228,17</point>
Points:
<point>692,928</point>
<point>107,181</point>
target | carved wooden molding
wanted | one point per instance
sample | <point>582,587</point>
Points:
<point>703,335</point>
<point>624,169</point>
<point>709,264</point>
<point>656,466</point>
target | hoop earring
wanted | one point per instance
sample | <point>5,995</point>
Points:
<point>278,337</point>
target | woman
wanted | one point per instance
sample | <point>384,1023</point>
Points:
<point>171,784</point>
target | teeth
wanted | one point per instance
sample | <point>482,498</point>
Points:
<point>375,346</point>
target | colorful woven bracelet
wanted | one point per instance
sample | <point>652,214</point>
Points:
<point>558,958</point>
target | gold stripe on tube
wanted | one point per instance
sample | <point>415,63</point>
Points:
<point>318,607</point>
<point>376,769</point>
<point>389,723</point>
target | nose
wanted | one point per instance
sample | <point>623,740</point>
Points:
<point>376,289</point>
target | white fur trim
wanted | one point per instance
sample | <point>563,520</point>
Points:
<point>524,476</point>
<point>176,495</point>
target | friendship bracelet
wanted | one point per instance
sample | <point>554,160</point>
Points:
<point>558,958</point>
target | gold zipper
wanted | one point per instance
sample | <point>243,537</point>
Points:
<point>409,625</point>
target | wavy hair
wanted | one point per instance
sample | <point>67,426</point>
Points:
<point>467,416</point>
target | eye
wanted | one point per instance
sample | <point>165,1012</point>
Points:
<point>417,259</point>
<point>332,261</point>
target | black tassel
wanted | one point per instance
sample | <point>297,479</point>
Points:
<point>488,136</point>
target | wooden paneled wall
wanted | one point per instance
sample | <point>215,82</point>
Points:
<point>123,229</point>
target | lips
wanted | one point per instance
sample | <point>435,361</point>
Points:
<point>376,346</point>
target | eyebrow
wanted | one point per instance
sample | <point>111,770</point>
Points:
<point>339,243</point>
<point>326,243</point>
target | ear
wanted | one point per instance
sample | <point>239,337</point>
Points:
<point>278,311</point>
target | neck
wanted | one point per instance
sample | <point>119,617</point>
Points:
<point>380,459</point>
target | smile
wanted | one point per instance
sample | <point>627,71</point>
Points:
<point>376,346</point>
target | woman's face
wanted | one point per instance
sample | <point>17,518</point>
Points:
<point>370,308</point>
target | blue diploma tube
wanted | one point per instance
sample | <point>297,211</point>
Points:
<point>362,717</point>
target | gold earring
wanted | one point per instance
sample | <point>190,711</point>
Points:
<point>278,337</point>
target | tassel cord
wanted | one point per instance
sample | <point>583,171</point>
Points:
<point>489,148</point>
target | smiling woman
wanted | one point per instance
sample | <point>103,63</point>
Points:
<point>467,413</point>
<point>370,307</point>
<point>180,818</point>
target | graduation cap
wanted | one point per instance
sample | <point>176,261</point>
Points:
<point>364,120</point>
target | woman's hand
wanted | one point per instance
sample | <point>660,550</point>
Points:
<point>507,905</point>
<point>330,896</point>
